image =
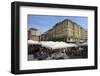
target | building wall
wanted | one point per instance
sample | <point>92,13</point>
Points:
<point>76,32</point>
<point>84,35</point>
<point>35,37</point>
<point>32,35</point>
<point>65,31</point>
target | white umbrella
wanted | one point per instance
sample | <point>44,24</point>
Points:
<point>73,45</point>
<point>56,45</point>
<point>84,44</point>
<point>33,42</point>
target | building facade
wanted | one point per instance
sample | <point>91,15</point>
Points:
<point>84,35</point>
<point>66,30</point>
<point>32,34</point>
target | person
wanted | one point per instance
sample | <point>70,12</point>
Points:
<point>41,54</point>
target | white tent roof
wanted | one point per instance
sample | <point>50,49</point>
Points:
<point>84,44</point>
<point>73,45</point>
<point>33,42</point>
<point>57,45</point>
<point>52,45</point>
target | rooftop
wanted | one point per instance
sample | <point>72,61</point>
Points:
<point>31,28</point>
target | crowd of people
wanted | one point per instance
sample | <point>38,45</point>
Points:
<point>43,53</point>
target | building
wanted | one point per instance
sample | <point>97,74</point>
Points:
<point>66,30</point>
<point>84,35</point>
<point>32,34</point>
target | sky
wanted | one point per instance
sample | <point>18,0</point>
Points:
<point>46,22</point>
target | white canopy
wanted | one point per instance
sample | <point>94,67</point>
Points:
<point>48,44</point>
<point>73,45</point>
<point>52,45</point>
<point>57,45</point>
<point>83,44</point>
<point>33,42</point>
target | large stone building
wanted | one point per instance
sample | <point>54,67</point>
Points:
<point>84,35</point>
<point>65,30</point>
<point>32,34</point>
